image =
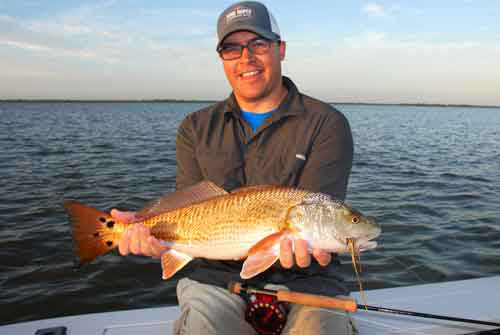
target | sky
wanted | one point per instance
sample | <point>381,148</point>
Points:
<point>339,51</point>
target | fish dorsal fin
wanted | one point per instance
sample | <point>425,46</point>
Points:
<point>182,198</point>
<point>254,188</point>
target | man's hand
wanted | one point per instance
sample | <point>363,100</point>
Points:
<point>137,239</point>
<point>302,255</point>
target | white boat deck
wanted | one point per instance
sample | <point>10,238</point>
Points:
<point>476,299</point>
<point>472,299</point>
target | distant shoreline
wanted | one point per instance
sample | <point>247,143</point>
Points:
<point>214,101</point>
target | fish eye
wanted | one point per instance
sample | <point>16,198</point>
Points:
<point>355,219</point>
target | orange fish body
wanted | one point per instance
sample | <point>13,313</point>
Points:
<point>206,221</point>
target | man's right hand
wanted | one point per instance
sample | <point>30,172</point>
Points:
<point>137,239</point>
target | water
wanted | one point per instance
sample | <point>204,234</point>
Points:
<point>431,177</point>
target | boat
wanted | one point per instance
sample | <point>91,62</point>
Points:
<point>470,299</point>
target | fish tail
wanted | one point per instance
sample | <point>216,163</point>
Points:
<point>94,232</point>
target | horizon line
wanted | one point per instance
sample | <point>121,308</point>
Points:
<point>416,104</point>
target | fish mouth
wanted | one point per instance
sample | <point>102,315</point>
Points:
<point>366,245</point>
<point>365,242</point>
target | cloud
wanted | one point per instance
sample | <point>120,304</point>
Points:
<point>6,18</point>
<point>57,38</point>
<point>67,29</point>
<point>374,9</point>
<point>24,45</point>
<point>83,33</point>
<point>58,52</point>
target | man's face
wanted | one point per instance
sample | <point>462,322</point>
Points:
<point>254,77</point>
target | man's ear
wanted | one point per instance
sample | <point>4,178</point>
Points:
<point>282,50</point>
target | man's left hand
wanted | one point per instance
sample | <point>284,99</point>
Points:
<point>302,255</point>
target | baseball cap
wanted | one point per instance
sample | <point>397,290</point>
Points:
<point>250,16</point>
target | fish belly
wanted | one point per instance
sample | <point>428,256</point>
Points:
<point>223,247</point>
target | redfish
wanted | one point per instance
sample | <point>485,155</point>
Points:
<point>248,223</point>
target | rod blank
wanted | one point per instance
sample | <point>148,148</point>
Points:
<point>426,315</point>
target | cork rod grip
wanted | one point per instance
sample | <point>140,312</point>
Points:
<point>318,301</point>
<point>234,287</point>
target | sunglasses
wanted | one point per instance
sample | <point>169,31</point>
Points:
<point>257,46</point>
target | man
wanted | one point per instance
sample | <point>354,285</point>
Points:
<point>266,132</point>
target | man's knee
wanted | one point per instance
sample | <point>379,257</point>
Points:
<point>207,309</point>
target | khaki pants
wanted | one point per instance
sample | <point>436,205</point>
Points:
<point>207,309</point>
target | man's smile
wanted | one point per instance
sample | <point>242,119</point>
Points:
<point>250,74</point>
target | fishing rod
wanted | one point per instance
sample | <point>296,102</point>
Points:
<point>347,305</point>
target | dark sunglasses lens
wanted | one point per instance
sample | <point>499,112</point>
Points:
<point>259,46</point>
<point>230,52</point>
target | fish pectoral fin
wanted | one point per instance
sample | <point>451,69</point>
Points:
<point>262,255</point>
<point>258,263</point>
<point>172,261</point>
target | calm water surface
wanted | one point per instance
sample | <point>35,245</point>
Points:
<point>431,177</point>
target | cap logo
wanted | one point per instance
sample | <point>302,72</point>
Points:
<point>238,12</point>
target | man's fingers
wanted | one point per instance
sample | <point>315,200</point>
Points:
<point>125,217</point>
<point>138,240</point>
<point>302,255</point>
<point>157,249</point>
<point>286,253</point>
<point>145,248</point>
<point>135,242</point>
<point>323,257</point>
<point>123,244</point>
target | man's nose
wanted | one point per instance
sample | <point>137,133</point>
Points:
<point>246,53</point>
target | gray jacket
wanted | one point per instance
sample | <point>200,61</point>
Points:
<point>306,143</point>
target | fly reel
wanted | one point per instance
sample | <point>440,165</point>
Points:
<point>266,314</point>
